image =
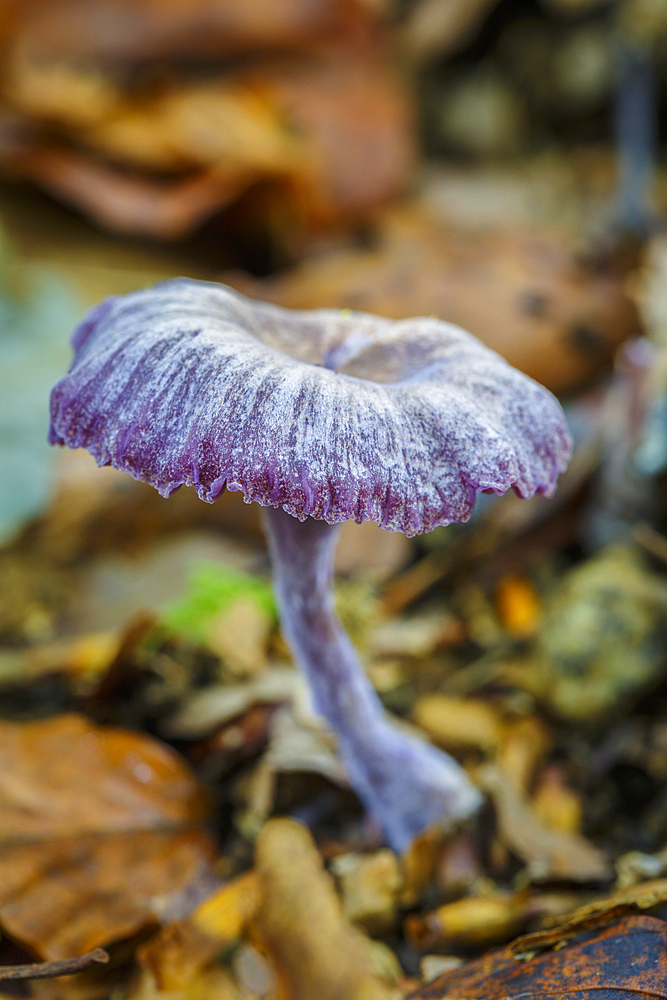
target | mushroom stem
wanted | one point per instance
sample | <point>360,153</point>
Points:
<point>407,785</point>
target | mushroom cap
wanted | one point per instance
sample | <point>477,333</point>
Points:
<point>328,414</point>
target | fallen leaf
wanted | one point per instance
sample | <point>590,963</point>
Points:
<point>205,710</point>
<point>594,914</point>
<point>524,743</point>
<point>240,636</point>
<point>299,925</point>
<point>369,886</point>
<point>458,723</point>
<point>440,27</point>
<point>327,138</point>
<point>555,804</point>
<point>214,983</point>
<point>99,835</point>
<point>146,29</point>
<point>548,854</point>
<point>181,950</point>
<point>418,864</point>
<point>621,962</point>
<point>415,636</point>
<point>470,922</point>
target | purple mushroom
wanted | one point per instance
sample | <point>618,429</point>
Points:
<point>319,416</point>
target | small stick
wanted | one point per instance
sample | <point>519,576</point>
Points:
<point>47,970</point>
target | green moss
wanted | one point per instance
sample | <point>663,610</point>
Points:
<point>212,588</point>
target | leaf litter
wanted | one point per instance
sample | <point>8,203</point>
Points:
<point>496,640</point>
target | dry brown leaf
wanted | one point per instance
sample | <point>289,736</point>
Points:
<point>299,925</point>
<point>548,854</point>
<point>98,834</point>
<point>458,723</point>
<point>551,317</point>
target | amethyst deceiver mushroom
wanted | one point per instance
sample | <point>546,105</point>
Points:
<point>319,416</point>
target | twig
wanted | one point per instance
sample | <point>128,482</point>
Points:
<point>47,970</point>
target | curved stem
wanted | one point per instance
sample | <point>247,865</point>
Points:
<point>406,784</point>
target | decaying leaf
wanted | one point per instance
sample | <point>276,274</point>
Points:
<point>624,961</point>
<point>300,927</point>
<point>548,854</point>
<point>99,835</point>
<point>598,913</point>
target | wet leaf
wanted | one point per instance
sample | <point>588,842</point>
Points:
<point>98,834</point>
<point>621,963</point>
<point>594,914</point>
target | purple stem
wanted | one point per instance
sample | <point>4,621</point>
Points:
<point>407,785</point>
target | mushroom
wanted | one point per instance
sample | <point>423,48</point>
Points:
<point>320,416</point>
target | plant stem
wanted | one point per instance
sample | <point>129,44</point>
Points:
<point>51,970</point>
<point>406,784</point>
